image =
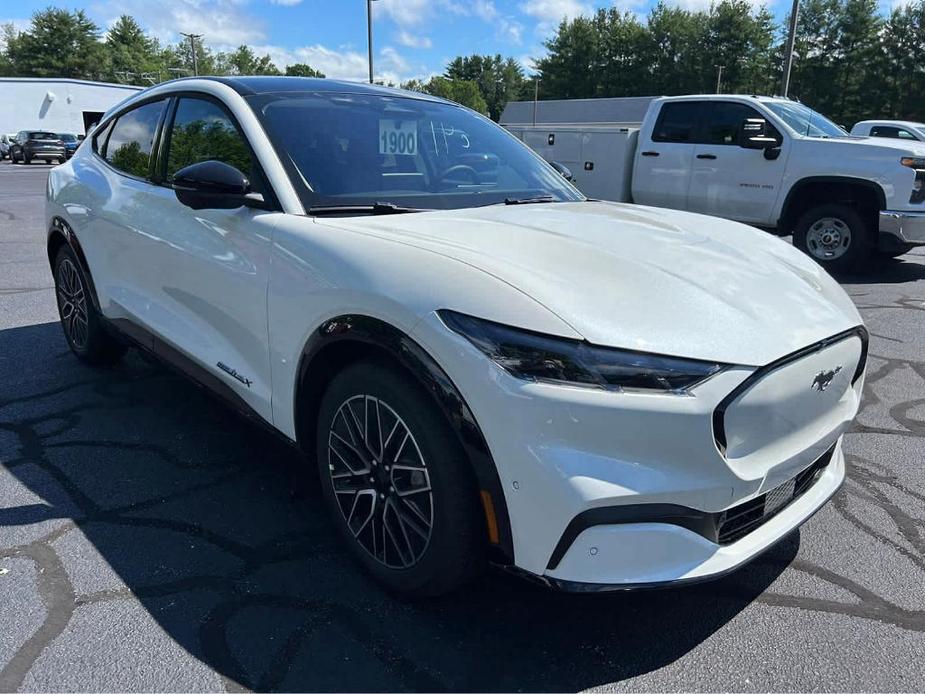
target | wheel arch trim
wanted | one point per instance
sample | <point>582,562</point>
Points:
<point>61,233</point>
<point>789,215</point>
<point>378,335</point>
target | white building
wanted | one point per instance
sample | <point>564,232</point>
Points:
<point>58,105</point>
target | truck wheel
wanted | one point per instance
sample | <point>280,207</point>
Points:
<point>835,236</point>
<point>397,482</point>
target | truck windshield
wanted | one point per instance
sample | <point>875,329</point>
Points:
<point>356,150</point>
<point>804,120</point>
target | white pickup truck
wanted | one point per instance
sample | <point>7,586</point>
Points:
<point>769,162</point>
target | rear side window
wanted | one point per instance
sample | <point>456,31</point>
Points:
<point>131,140</point>
<point>203,131</point>
<point>678,122</point>
<point>891,132</point>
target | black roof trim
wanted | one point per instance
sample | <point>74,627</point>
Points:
<point>269,84</point>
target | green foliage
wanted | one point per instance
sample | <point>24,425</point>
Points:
<point>499,80</point>
<point>244,61</point>
<point>202,140</point>
<point>465,92</point>
<point>302,70</point>
<point>133,55</point>
<point>59,43</point>
<point>129,158</point>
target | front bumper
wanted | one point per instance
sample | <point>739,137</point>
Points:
<point>564,452</point>
<point>643,555</point>
<point>905,226</point>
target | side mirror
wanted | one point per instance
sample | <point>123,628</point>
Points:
<point>211,185</point>
<point>754,135</point>
<point>563,170</point>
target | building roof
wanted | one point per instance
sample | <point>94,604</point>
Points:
<point>68,80</point>
<point>610,110</point>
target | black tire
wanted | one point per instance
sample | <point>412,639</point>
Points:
<point>80,321</point>
<point>432,462</point>
<point>26,159</point>
<point>852,239</point>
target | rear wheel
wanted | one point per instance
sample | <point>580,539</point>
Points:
<point>26,159</point>
<point>835,236</point>
<point>397,482</point>
<point>83,328</point>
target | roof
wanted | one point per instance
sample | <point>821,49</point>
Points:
<point>268,84</point>
<point>899,123</point>
<point>609,110</point>
<point>68,80</point>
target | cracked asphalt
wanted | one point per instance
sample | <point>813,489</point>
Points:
<point>152,540</point>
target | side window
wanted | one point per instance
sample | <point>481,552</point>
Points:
<point>99,140</point>
<point>203,131</point>
<point>132,139</point>
<point>886,131</point>
<point>725,122</point>
<point>678,122</point>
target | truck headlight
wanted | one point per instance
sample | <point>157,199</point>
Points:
<point>537,357</point>
<point>918,186</point>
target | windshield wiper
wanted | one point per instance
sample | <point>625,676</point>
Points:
<point>375,208</point>
<point>529,201</point>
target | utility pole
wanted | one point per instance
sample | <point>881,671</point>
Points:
<point>536,96</point>
<point>719,79</point>
<point>193,38</point>
<point>791,41</point>
<point>369,36</point>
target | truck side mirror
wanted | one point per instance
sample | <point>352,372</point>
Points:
<point>754,135</point>
<point>563,170</point>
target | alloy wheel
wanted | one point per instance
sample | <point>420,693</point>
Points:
<point>72,303</point>
<point>381,481</point>
<point>828,238</point>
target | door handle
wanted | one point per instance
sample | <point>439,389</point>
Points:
<point>650,154</point>
<point>706,156</point>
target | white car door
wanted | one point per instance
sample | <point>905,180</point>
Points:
<point>196,279</point>
<point>729,180</point>
<point>664,156</point>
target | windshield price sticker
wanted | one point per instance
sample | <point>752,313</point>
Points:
<point>398,136</point>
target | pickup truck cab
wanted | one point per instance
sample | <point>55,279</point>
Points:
<point>895,129</point>
<point>770,162</point>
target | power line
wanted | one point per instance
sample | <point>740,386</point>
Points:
<point>193,38</point>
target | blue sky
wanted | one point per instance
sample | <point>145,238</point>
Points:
<point>413,38</point>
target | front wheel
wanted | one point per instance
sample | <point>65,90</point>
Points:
<point>83,328</point>
<point>835,236</point>
<point>397,482</point>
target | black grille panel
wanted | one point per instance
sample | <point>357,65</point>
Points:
<point>738,521</point>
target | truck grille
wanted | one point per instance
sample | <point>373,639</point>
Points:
<point>738,521</point>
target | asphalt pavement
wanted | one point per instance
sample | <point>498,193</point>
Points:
<point>152,540</point>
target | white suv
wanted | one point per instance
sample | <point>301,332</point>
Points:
<point>485,365</point>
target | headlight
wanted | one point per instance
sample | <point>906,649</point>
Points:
<point>535,357</point>
<point>918,186</point>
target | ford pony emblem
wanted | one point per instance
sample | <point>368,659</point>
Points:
<point>824,378</point>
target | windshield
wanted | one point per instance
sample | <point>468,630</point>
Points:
<point>804,120</point>
<point>42,136</point>
<point>361,149</point>
<point>67,137</point>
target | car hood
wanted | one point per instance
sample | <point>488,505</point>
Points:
<point>884,146</point>
<point>640,278</point>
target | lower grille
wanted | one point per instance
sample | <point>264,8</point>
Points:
<point>738,521</point>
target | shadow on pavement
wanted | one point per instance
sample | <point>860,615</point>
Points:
<point>218,530</point>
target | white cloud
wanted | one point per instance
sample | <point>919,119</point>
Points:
<point>412,40</point>
<point>219,21</point>
<point>554,11</point>
<point>404,12</point>
<point>344,63</point>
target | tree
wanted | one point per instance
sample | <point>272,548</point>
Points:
<point>302,70</point>
<point>465,92</point>
<point>498,80</point>
<point>58,43</point>
<point>133,55</point>
<point>243,61</point>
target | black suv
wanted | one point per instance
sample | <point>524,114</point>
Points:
<point>37,144</point>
